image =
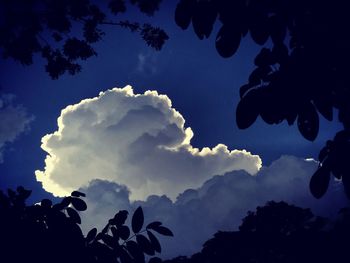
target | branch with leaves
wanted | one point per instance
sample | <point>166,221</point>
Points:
<point>50,28</point>
<point>47,232</point>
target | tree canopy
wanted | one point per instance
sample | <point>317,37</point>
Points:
<point>281,233</point>
<point>303,73</point>
<point>63,32</point>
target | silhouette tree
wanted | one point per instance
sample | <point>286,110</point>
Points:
<point>50,233</point>
<point>303,74</point>
<point>279,233</point>
<point>51,27</point>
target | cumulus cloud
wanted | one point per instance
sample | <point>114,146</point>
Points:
<point>219,204</point>
<point>14,121</point>
<point>137,140</point>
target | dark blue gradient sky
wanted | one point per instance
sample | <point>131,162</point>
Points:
<point>203,87</point>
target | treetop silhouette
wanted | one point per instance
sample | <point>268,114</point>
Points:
<point>281,233</point>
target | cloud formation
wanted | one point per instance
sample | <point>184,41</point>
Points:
<point>14,121</point>
<point>137,140</point>
<point>219,204</point>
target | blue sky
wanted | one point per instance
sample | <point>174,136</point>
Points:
<point>202,86</point>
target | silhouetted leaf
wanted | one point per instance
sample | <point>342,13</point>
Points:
<point>124,232</point>
<point>114,232</point>
<point>323,153</point>
<point>163,230</point>
<point>247,110</point>
<point>183,13</point>
<point>308,122</point>
<point>120,218</point>
<point>319,182</point>
<point>259,74</point>
<point>145,245</point>
<point>66,201</point>
<point>105,229</point>
<point>79,204</point>
<point>227,41</point>
<point>154,241</point>
<point>99,236</point>
<point>73,215</point>
<point>77,194</point>
<point>258,29</point>
<point>153,224</point>
<point>137,220</point>
<point>243,90</point>
<point>203,18</point>
<point>91,235</point>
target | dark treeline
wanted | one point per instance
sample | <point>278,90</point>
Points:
<point>276,232</point>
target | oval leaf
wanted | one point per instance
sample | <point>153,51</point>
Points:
<point>153,224</point>
<point>120,218</point>
<point>308,122</point>
<point>66,201</point>
<point>77,194</point>
<point>227,41</point>
<point>79,204</point>
<point>319,182</point>
<point>137,220</point>
<point>145,245</point>
<point>183,13</point>
<point>115,232</point>
<point>123,232</point>
<point>247,110</point>
<point>203,18</point>
<point>163,231</point>
<point>91,235</point>
<point>154,241</point>
<point>73,215</point>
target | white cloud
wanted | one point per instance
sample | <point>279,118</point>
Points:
<point>14,121</point>
<point>137,140</point>
<point>219,204</point>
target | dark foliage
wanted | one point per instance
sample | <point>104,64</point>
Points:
<point>303,75</point>
<point>50,233</point>
<point>50,28</point>
<point>278,233</point>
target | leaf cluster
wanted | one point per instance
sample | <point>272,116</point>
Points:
<point>303,75</point>
<point>47,232</point>
<point>63,32</point>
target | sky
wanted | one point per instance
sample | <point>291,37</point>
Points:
<point>157,129</point>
